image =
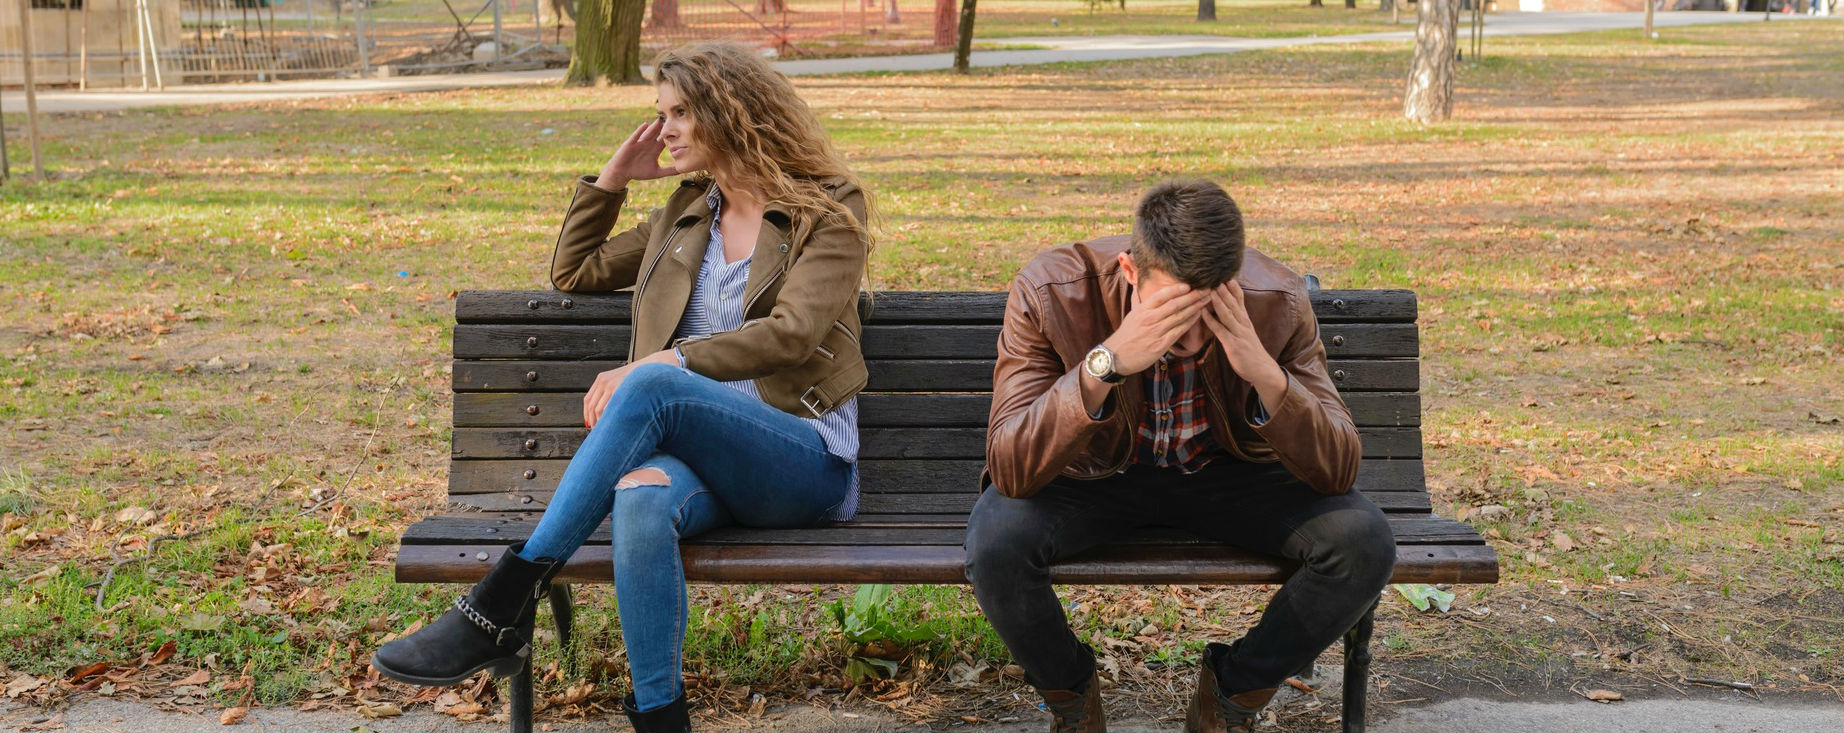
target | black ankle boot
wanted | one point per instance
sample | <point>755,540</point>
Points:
<point>670,719</point>
<point>489,628</point>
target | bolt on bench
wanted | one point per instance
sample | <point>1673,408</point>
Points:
<point>524,358</point>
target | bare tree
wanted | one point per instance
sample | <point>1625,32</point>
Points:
<point>607,42</point>
<point>1206,10</point>
<point>1430,92</point>
<point>963,46</point>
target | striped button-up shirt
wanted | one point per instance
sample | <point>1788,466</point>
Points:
<point>717,306</point>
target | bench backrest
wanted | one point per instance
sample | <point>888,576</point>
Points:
<point>524,358</point>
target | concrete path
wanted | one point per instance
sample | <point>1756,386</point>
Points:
<point>1738,715</point>
<point>1058,49</point>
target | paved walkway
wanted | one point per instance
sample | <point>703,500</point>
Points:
<point>1057,49</point>
<point>1739,714</point>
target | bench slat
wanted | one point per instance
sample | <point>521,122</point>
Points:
<point>873,442</point>
<point>875,409</point>
<point>477,528</point>
<point>968,341</point>
<point>942,565</point>
<point>893,503</point>
<point>875,476</point>
<point>1360,375</point>
<point>887,375</point>
<point>514,306</point>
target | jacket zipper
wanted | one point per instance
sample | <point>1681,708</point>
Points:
<point>644,278</point>
<point>758,296</point>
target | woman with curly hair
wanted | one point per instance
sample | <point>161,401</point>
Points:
<point>738,402</point>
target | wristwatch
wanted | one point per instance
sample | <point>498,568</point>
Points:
<point>1100,364</point>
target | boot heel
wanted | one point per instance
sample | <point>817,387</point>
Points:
<point>507,666</point>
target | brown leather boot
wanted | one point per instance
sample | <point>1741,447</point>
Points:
<point>1213,712</point>
<point>1077,712</point>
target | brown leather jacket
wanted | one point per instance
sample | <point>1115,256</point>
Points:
<point>1073,297</point>
<point>800,335</point>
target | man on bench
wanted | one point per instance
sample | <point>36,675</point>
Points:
<point>1173,378</point>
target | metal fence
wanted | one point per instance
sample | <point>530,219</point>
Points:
<point>106,42</point>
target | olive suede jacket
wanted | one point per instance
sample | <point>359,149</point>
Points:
<point>800,335</point>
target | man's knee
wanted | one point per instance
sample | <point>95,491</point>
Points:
<point>1355,543</point>
<point>1001,540</point>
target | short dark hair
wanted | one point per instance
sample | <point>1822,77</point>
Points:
<point>1192,230</point>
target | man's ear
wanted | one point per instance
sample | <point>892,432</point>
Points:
<point>1127,268</point>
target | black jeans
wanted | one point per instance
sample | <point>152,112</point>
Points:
<point>1343,545</point>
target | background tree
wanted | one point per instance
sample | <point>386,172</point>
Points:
<point>1430,93</point>
<point>607,42</point>
<point>963,46</point>
<point>1206,10</point>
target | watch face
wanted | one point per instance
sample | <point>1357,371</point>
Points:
<point>1099,365</point>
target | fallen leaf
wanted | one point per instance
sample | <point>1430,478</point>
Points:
<point>380,710</point>
<point>232,716</point>
<point>196,678</point>
<point>1823,420</point>
<point>23,684</point>
<point>360,286</point>
<point>164,653</point>
<point>86,671</point>
<point>1562,541</point>
<point>136,515</point>
<point>1604,696</point>
<point>43,576</point>
<point>53,723</point>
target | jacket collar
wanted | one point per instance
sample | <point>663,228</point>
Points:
<point>772,247</point>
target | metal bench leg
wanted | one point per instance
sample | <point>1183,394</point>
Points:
<point>521,699</point>
<point>1357,671</point>
<point>563,611</point>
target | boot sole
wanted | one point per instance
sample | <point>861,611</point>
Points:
<point>501,667</point>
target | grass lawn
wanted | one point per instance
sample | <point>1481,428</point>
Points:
<point>231,325</point>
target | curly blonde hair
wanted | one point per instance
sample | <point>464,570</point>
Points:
<point>749,115</point>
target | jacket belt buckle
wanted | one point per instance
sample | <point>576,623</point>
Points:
<point>812,405</point>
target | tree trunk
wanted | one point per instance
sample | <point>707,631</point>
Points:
<point>1387,5</point>
<point>890,14</point>
<point>1317,3</point>
<point>607,42</point>
<point>1350,4</point>
<point>963,46</point>
<point>665,14</point>
<point>1430,93</point>
<point>1206,10</point>
<point>944,23</point>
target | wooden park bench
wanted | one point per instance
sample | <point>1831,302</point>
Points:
<point>524,358</point>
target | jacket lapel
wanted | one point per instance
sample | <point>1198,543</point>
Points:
<point>771,253</point>
<point>668,288</point>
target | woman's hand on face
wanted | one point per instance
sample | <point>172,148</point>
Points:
<point>637,159</point>
<point>596,400</point>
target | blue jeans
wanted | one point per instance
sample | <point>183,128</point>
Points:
<point>727,458</point>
